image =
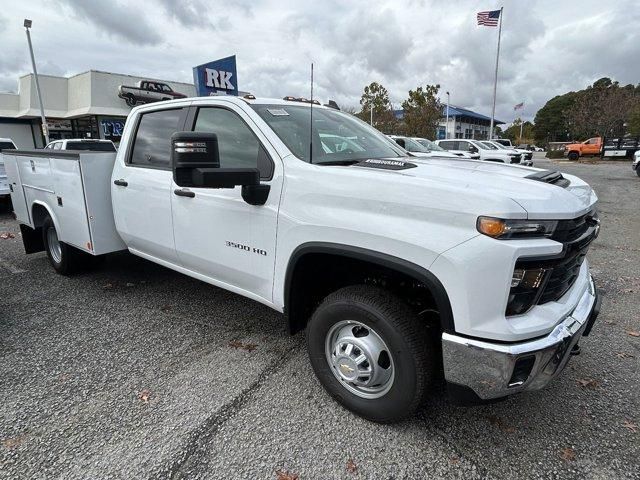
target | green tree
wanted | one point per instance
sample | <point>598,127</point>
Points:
<point>551,120</point>
<point>633,124</point>
<point>513,132</point>
<point>422,112</point>
<point>376,97</point>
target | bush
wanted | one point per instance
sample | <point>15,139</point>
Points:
<point>555,154</point>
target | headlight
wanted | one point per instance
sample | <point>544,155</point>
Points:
<point>509,229</point>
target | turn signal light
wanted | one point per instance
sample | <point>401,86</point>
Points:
<point>492,227</point>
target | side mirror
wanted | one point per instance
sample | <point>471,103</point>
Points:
<point>195,159</point>
<point>473,149</point>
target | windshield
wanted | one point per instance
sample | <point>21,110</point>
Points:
<point>499,146</point>
<point>430,145</point>
<point>481,146</point>
<point>490,145</point>
<point>337,137</point>
<point>91,146</point>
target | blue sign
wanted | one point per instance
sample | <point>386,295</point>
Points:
<point>214,78</point>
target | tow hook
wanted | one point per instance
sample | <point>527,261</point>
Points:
<point>576,349</point>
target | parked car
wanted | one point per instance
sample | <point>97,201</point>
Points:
<point>434,147</point>
<point>590,147</point>
<point>76,144</point>
<point>416,148</point>
<point>475,146</point>
<point>636,162</point>
<point>5,144</point>
<point>147,91</point>
<point>526,155</point>
<point>401,270</point>
<point>504,141</point>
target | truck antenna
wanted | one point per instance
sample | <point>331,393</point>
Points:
<point>311,120</point>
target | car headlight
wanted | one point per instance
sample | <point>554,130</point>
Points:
<point>510,229</point>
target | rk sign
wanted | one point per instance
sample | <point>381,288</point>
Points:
<point>217,77</point>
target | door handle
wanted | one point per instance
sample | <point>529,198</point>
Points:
<point>121,182</point>
<point>183,192</point>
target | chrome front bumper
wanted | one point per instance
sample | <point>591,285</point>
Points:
<point>494,370</point>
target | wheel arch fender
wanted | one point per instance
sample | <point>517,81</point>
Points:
<point>421,274</point>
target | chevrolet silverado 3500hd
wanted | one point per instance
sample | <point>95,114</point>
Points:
<point>398,267</point>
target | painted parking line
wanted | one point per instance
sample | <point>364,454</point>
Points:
<point>10,267</point>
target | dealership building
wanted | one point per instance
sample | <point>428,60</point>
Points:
<point>464,123</point>
<point>82,106</point>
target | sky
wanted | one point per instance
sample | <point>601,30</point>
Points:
<point>548,47</point>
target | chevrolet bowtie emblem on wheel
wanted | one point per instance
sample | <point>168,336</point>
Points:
<point>346,369</point>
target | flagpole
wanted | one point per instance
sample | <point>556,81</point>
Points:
<point>521,123</point>
<point>495,79</point>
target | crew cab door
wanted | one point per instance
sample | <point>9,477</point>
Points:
<point>141,191</point>
<point>218,234</point>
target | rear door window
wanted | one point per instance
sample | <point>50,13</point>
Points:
<point>152,144</point>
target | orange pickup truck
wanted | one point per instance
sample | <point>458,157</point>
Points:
<point>593,146</point>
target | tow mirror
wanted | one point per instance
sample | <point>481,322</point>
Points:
<point>473,149</point>
<point>195,159</point>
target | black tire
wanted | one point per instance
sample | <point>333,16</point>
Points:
<point>130,100</point>
<point>414,363</point>
<point>69,260</point>
<point>573,156</point>
<point>638,170</point>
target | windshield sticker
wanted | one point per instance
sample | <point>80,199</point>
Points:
<point>278,112</point>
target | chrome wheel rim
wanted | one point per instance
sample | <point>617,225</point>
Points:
<point>359,359</point>
<point>54,245</point>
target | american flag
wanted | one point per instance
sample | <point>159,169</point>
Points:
<point>489,19</point>
<point>518,106</point>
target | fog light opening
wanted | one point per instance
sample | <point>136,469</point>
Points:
<point>521,371</point>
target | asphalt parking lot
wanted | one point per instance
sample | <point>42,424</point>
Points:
<point>134,371</point>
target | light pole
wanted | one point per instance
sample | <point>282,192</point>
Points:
<point>45,130</point>
<point>446,128</point>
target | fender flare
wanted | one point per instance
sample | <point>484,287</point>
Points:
<point>410,269</point>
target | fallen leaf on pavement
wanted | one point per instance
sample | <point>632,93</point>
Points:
<point>454,460</point>
<point>129,284</point>
<point>284,475</point>
<point>590,383</point>
<point>351,466</point>
<point>7,235</point>
<point>568,454</point>
<point>144,396</point>
<point>165,308</point>
<point>624,355</point>
<point>630,425</point>
<point>498,422</point>
<point>108,286</point>
<point>249,347</point>
<point>633,333</point>
<point>14,442</point>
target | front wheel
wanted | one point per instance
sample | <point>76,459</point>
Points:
<point>638,170</point>
<point>573,156</point>
<point>370,352</point>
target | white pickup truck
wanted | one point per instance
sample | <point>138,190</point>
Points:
<point>402,270</point>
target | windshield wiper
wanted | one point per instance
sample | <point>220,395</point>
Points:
<point>338,162</point>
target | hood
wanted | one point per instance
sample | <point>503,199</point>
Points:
<point>526,186</point>
<point>434,155</point>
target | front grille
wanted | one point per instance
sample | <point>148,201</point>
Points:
<point>562,271</point>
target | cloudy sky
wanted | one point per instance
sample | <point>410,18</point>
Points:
<point>548,46</point>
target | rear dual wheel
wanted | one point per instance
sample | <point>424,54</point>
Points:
<point>370,352</point>
<point>64,258</point>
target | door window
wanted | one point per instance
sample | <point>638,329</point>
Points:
<point>237,145</point>
<point>152,145</point>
